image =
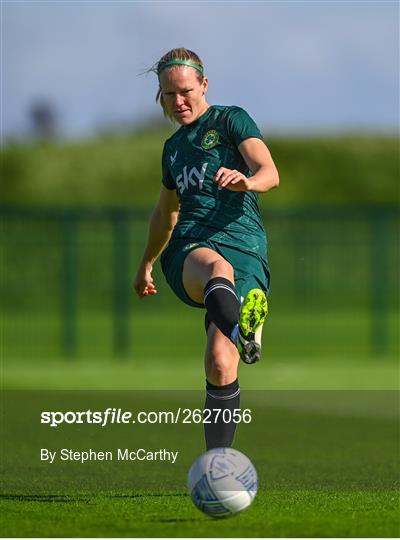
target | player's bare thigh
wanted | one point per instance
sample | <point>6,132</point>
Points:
<point>221,358</point>
<point>201,265</point>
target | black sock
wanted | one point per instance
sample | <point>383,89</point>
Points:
<point>223,306</point>
<point>227,397</point>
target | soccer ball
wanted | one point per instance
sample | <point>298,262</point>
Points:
<point>222,482</point>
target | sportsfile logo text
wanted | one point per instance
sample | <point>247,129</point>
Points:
<point>113,415</point>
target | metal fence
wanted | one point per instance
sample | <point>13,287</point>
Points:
<point>62,265</point>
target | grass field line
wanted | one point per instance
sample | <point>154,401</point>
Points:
<point>168,374</point>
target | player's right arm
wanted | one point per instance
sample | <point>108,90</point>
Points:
<point>162,223</point>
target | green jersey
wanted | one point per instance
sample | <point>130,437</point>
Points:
<point>190,160</point>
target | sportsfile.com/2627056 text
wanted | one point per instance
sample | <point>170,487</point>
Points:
<point>114,415</point>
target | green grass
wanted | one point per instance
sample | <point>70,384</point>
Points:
<point>299,513</point>
<point>311,334</point>
<point>327,465</point>
<point>327,461</point>
<point>313,350</point>
<point>165,373</point>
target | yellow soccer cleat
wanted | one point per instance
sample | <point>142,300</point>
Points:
<point>253,311</point>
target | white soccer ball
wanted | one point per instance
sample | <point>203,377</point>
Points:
<point>222,482</point>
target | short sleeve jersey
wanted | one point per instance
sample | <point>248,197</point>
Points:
<point>191,158</point>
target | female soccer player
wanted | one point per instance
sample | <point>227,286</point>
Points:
<point>208,220</point>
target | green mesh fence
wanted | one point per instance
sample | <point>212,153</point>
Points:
<point>66,284</point>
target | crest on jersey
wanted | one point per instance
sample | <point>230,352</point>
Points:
<point>210,139</point>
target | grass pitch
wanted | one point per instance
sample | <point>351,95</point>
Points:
<point>171,514</point>
<point>327,468</point>
<point>327,464</point>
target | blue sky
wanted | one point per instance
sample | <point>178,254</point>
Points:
<point>295,66</point>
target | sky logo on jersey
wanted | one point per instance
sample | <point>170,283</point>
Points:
<point>193,178</point>
<point>210,139</point>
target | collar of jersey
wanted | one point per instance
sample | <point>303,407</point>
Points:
<point>199,120</point>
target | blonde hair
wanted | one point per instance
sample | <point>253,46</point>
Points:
<point>181,54</point>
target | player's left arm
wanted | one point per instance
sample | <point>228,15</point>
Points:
<point>259,161</point>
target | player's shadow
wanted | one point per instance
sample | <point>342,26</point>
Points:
<point>73,499</point>
<point>177,520</point>
<point>149,494</point>
<point>160,520</point>
<point>44,498</point>
<point>79,498</point>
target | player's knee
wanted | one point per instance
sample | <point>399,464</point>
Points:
<point>222,367</point>
<point>221,377</point>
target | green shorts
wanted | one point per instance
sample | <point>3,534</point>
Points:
<point>250,270</point>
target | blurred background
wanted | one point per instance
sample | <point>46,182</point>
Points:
<point>81,148</point>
